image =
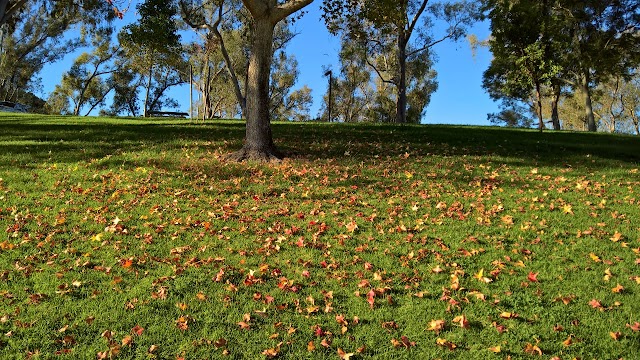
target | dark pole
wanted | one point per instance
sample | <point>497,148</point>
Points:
<point>330,74</point>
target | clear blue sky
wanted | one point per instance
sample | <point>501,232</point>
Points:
<point>459,99</point>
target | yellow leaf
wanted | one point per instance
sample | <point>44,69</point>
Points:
<point>495,349</point>
<point>436,325</point>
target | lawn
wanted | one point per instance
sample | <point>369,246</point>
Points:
<point>130,239</point>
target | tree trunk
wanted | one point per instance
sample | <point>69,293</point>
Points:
<point>259,141</point>
<point>147,93</point>
<point>555,116</point>
<point>588,106</point>
<point>539,101</point>
<point>401,83</point>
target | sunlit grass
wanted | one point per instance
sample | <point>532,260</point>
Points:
<point>354,244</point>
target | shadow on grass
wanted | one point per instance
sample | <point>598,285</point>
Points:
<point>26,141</point>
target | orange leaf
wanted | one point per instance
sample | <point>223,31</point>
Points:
<point>446,343</point>
<point>462,321</point>
<point>371,298</point>
<point>568,342</point>
<point>532,349</point>
<point>343,355</point>
<point>595,304</point>
<point>508,315</point>
<point>310,346</point>
<point>533,277</point>
<point>634,327</point>
<point>436,325</point>
<point>618,289</point>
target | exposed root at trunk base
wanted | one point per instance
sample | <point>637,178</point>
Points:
<point>263,155</point>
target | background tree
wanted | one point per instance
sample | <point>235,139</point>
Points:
<point>84,84</point>
<point>126,84</point>
<point>27,45</point>
<point>398,28</point>
<point>212,18</point>
<point>523,60</point>
<point>602,41</point>
<point>225,29</point>
<point>153,46</point>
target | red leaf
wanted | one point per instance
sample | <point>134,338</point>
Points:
<point>371,298</point>
<point>634,327</point>
<point>595,304</point>
<point>533,277</point>
<point>137,330</point>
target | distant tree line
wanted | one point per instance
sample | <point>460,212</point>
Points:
<point>571,64</point>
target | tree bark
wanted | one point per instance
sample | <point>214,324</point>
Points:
<point>266,14</point>
<point>588,106</point>
<point>147,93</point>
<point>401,83</point>
<point>259,141</point>
<point>555,117</point>
<point>539,100</point>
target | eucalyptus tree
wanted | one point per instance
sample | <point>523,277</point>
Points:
<point>265,14</point>
<point>601,41</point>
<point>220,55</point>
<point>523,61</point>
<point>35,33</point>
<point>401,28</point>
<point>153,47</point>
<point>86,84</point>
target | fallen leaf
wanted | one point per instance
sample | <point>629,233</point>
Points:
<point>436,325</point>
<point>595,304</point>
<point>615,335</point>
<point>618,289</point>
<point>635,326</point>
<point>446,343</point>
<point>495,349</point>
<point>462,321</point>
<point>532,349</point>
<point>137,330</point>
<point>343,355</point>
<point>508,315</point>
<point>532,277</point>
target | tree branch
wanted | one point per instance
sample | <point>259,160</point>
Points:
<point>6,13</point>
<point>286,9</point>
<point>416,17</point>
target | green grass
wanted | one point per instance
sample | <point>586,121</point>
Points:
<point>112,226</point>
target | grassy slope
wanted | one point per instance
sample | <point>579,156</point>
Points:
<point>113,224</point>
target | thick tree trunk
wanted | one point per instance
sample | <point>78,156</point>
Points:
<point>259,142</point>
<point>401,83</point>
<point>555,117</point>
<point>588,106</point>
<point>539,100</point>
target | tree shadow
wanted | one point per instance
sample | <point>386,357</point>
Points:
<point>26,141</point>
